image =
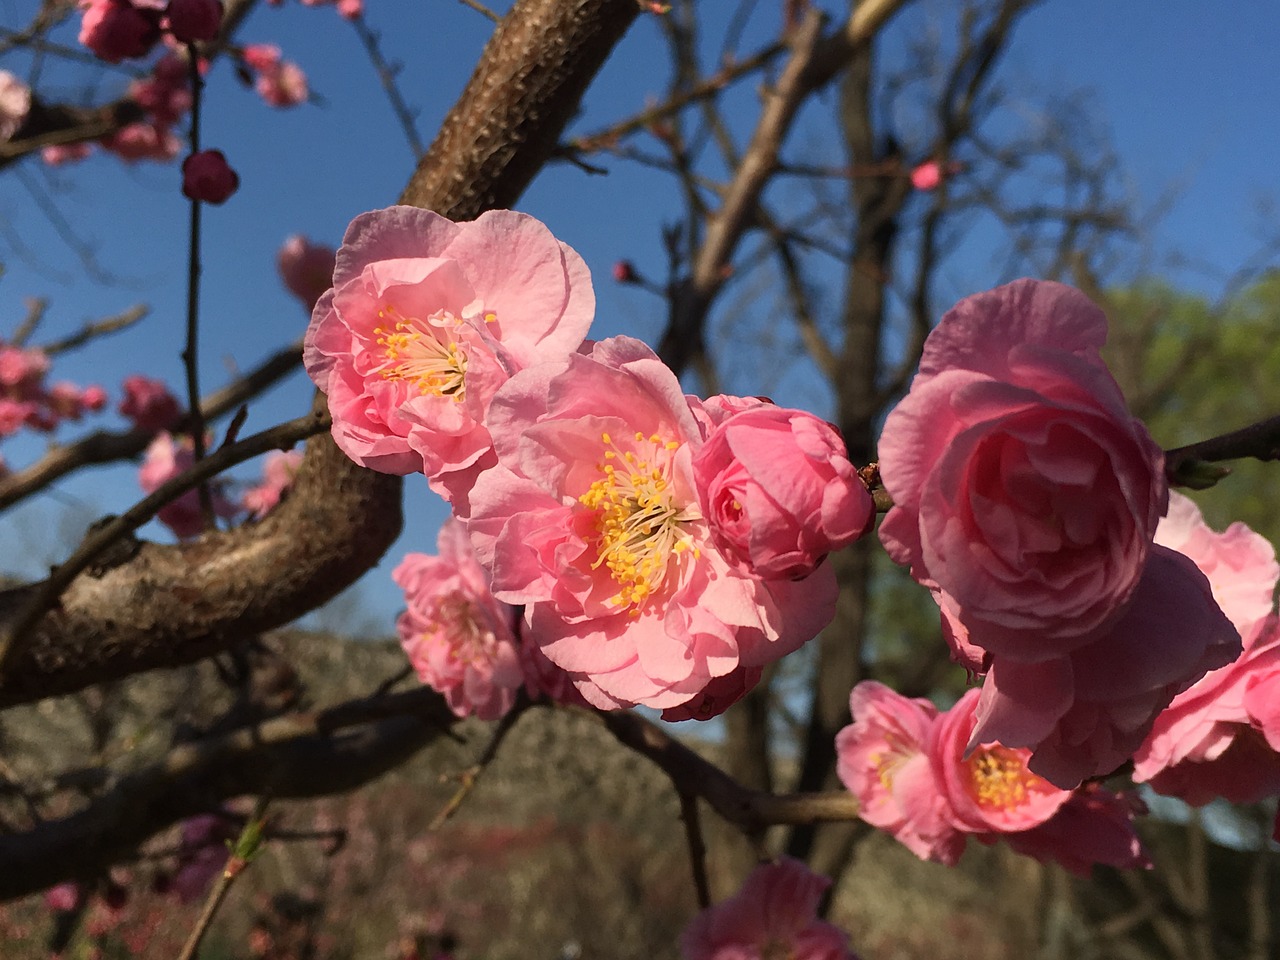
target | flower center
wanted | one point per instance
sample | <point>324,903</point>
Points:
<point>637,520</point>
<point>423,353</point>
<point>465,628</point>
<point>999,777</point>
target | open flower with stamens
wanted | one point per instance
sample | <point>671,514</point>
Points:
<point>425,320</point>
<point>591,519</point>
<point>460,640</point>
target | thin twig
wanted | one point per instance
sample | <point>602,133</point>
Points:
<point>279,437</point>
<point>470,776</point>
<point>387,77</point>
<point>36,308</point>
<point>245,849</point>
<point>191,353</point>
<point>697,849</point>
<point>97,328</point>
<point>1259,441</point>
<point>481,8</point>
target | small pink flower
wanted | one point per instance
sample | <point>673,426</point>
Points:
<point>194,21</point>
<point>143,141</point>
<point>206,176</point>
<point>261,57</point>
<point>21,371</point>
<point>624,272</point>
<point>164,460</point>
<point>15,104</point>
<point>93,398</point>
<point>166,94</point>
<point>283,85</point>
<point>779,491</point>
<point>64,898</point>
<point>927,176</point>
<point>66,400</point>
<point>775,914</point>
<point>306,268</point>
<point>591,519</point>
<point>148,403</point>
<point>426,319</point>
<point>14,415</point>
<point>117,29</point>
<point>57,154</point>
<point>278,470</point>
<point>350,9</point>
<point>460,640</point>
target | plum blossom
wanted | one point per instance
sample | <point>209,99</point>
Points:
<point>279,467</point>
<point>166,94</point>
<point>775,914</point>
<point>591,519</point>
<point>148,403</point>
<point>15,104</point>
<point>460,640</point>
<point>57,154</point>
<point>194,21</point>
<point>306,268</point>
<point>1026,497</point>
<point>116,30</point>
<point>426,320</point>
<point>165,459</point>
<point>915,777</point>
<point>779,491</point>
<point>143,141</point>
<point>206,176</point>
<point>1219,738</point>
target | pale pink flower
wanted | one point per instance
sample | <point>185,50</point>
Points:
<point>306,268</point>
<point>426,319</point>
<point>165,459</point>
<point>779,491</point>
<point>15,104</point>
<point>282,85</point>
<point>193,21</point>
<point>1025,498</point>
<point>774,915</point>
<point>117,29</point>
<point>460,640</point>
<point>592,521</point>
<point>882,760</point>
<point>143,141</point>
<point>207,177</point>
<point>57,154</point>
<point>148,403</point>
<point>278,471</point>
<point>1219,737</point>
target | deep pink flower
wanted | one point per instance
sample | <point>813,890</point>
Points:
<point>193,21</point>
<point>15,104</point>
<point>14,415</point>
<point>306,268</point>
<point>774,915</point>
<point>779,491</point>
<point>1095,826</point>
<point>148,403</point>
<point>143,141</point>
<point>21,371</point>
<point>93,398</point>
<point>278,470</point>
<point>592,520</point>
<point>261,57</point>
<point>206,176</point>
<point>1212,740</point>
<point>282,85</point>
<point>1026,498</point>
<point>166,93</point>
<point>881,758</point>
<point>117,29</point>
<point>927,176</point>
<point>460,640</point>
<point>164,460</point>
<point>426,319</point>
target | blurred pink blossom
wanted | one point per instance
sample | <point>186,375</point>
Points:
<point>207,177</point>
<point>148,403</point>
<point>775,914</point>
<point>282,85</point>
<point>143,141</point>
<point>306,268</point>
<point>166,94</point>
<point>279,467</point>
<point>21,370</point>
<point>165,459</point>
<point>57,154</point>
<point>117,29</point>
<point>15,104</point>
<point>193,21</point>
<point>459,638</point>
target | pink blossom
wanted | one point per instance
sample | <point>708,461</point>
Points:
<point>592,521</point>
<point>306,268</point>
<point>14,415</point>
<point>15,104</point>
<point>624,271</point>
<point>206,176</point>
<point>148,403</point>
<point>193,21</point>
<point>67,400</point>
<point>881,759</point>
<point>57,154</point>
<point>165,95</point>
<point>143,141</point>
<point>166,459</point>
<point>261,57</point>
<point>460,640</point>
<point>117,29</point>
<point>927,176</point>
<point>426,319</point>
<point>21,371</point>
<point>1095,826</point>
<point>278,470</point>
<point>775,914</point>
<point>350,9</point>
<point>1219,737</point>
<point>779,491</point>
<point>64,898</point>
<point>93,398</point>
<point>1026,498</point>
<point>282,85</point>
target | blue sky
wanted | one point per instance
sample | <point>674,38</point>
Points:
<point>1187,90</point>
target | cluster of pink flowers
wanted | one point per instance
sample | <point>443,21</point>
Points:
<point>775,914</point>
<point>1221,736</point>
<point>1026,498</point>
<point>664,548</point>
<point>918,777</point>
<point>279,82</point>
<point>118,30</point>
<point>27,401</point>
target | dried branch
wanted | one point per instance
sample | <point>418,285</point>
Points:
<point>97,328</point>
